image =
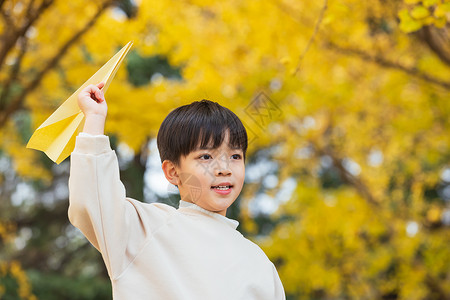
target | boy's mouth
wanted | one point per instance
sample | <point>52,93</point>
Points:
<point>222,187</point>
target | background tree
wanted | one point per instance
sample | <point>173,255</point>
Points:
<point>346,103</point>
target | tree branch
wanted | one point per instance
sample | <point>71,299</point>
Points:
<point>13,73</point>
<point>325,147</point>
<point>17,102</point>
<point>311,39</point>
<point>9,40</point>
<point>433,285</point>
<point>436,42</point>
<point>8,22</point>
<point>349,178</point>
<point>413,71</point>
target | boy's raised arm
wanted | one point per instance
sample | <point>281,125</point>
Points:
<point>98,203</point>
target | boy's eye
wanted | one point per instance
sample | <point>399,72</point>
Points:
<point>205,156</point>
<point>236,156</point>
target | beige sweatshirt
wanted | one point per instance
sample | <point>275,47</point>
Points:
<point>154,251</point>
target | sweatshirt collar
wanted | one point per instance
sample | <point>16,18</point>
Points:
<point>230,222</point>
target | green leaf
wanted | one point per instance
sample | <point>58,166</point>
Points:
<point>420,12</point>
<point>408,24</point>
<point>428,3</point>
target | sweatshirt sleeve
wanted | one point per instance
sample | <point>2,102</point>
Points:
<point>117,226</point>
<point>278,286</point>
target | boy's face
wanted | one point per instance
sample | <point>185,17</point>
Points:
<point>212,178</point>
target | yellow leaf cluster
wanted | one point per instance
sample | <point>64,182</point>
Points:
<point>424,13</point>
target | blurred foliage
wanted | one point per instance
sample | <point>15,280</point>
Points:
<point>141,70</point>
<point>346,104</point>
<point>423,13</point>
<point>55,287</point>
<point>14,283</point>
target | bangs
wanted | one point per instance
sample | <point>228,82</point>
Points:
<point>211,136</point>
<point>209,132</point>
<point>199,125</point>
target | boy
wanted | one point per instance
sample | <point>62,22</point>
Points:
<point>154,251</point>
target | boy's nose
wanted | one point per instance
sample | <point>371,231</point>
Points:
<point>222,172</point>
<point>222,166</point>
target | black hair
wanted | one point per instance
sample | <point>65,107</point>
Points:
<point>201,124</point>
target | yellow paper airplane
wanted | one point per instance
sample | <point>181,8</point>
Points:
<point>56,136</point>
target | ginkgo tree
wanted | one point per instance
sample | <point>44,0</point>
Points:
<point>349,99</point>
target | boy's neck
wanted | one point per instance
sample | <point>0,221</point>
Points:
<point>223,212</point>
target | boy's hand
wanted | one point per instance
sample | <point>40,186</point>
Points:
<point>93,105</point>
<point>92,101</point>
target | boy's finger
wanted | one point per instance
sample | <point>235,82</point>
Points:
<point>89,89</point>
<point>99,96</point>
<point>98,93</point>
<point>94,91</point>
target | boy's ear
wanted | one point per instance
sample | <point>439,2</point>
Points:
<point>170,172</point>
